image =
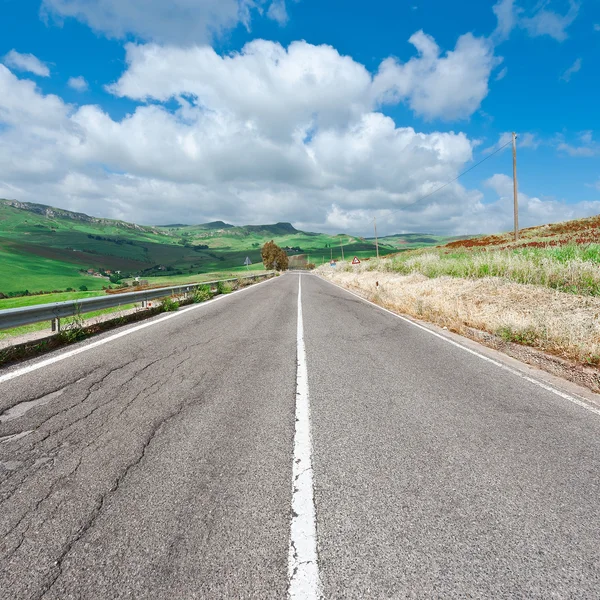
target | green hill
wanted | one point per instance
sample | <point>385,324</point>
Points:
<point>43,248</point>
<point>409,241</point>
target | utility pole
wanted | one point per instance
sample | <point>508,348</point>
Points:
<point>515,186</point>
<point>342,247</point>
<point>330,248</point>
<point>376,242</point>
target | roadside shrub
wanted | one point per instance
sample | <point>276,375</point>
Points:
<point>223,288</point>
<point>73,331</point>
<point>201,294</point>
<point>169,304</point>
<point>83,288</point>
<point>527,336</point>
<point>310,266</point>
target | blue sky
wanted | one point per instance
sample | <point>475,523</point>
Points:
<point>325,114</point>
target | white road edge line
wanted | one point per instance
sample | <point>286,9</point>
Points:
<point>303,567</point>
<point>545,386</point>
<point>65,355</point>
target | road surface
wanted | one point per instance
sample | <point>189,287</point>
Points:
<point>180,460</point>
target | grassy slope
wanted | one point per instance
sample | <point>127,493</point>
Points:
<point>410,241</point>
<point>47,252</point>
<point>43,249</point>
<point>505,287</point>
<point>563,256</point>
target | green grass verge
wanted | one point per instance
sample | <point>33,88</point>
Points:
<point>572,269</point>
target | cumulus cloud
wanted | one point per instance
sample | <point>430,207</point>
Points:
<point>574,68</point>
<point>268,87</point>
<point>302,142</point>
<point>78,83</point>
<point>26,62</point>
<point>203,164</point>
<point>307,85</point>
<point>540,21</point>
<point>175,21</point>
<point>449,87</point>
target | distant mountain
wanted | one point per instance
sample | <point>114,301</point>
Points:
<point>276,229</point>
<point>215,225</point>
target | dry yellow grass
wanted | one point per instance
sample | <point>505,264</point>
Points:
<point>563,324</point>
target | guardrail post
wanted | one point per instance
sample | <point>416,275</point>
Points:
<point>55,325</point>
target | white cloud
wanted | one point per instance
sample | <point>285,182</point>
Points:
<point>26,62</point>
<point>265,86</point>
<point>524,140</point>
<point>78,83</point>
<point>308,86</point>
<point>505,12</point>
<point>541,21</point>
<point>596,26</point>
<point>498,215</point>
<point>301,142</point>
<point>278,12</point>
<point>585,148</point>
<point>502,74</point>
<point>449,87</point>
<point>574,68</point>
<point>200,164</point>
<point>547,22</point>
<point>175,21</point>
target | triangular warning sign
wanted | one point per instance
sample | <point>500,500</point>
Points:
<point>355,261</point>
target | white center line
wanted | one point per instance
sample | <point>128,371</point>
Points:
<point>303,567</point>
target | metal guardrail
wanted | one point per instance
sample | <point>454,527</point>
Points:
<point>26,315</point>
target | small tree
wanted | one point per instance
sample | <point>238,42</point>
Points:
<point>274,257</point>
<point>281,260</point>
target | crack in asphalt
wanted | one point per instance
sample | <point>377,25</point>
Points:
<point>89,523</point>
<point>36,507</point>
<point>25,474</point>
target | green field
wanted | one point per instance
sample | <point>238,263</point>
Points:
<point>46,299</point>
<point>45,249</point>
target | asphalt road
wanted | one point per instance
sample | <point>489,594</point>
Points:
<point>159,464</point>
